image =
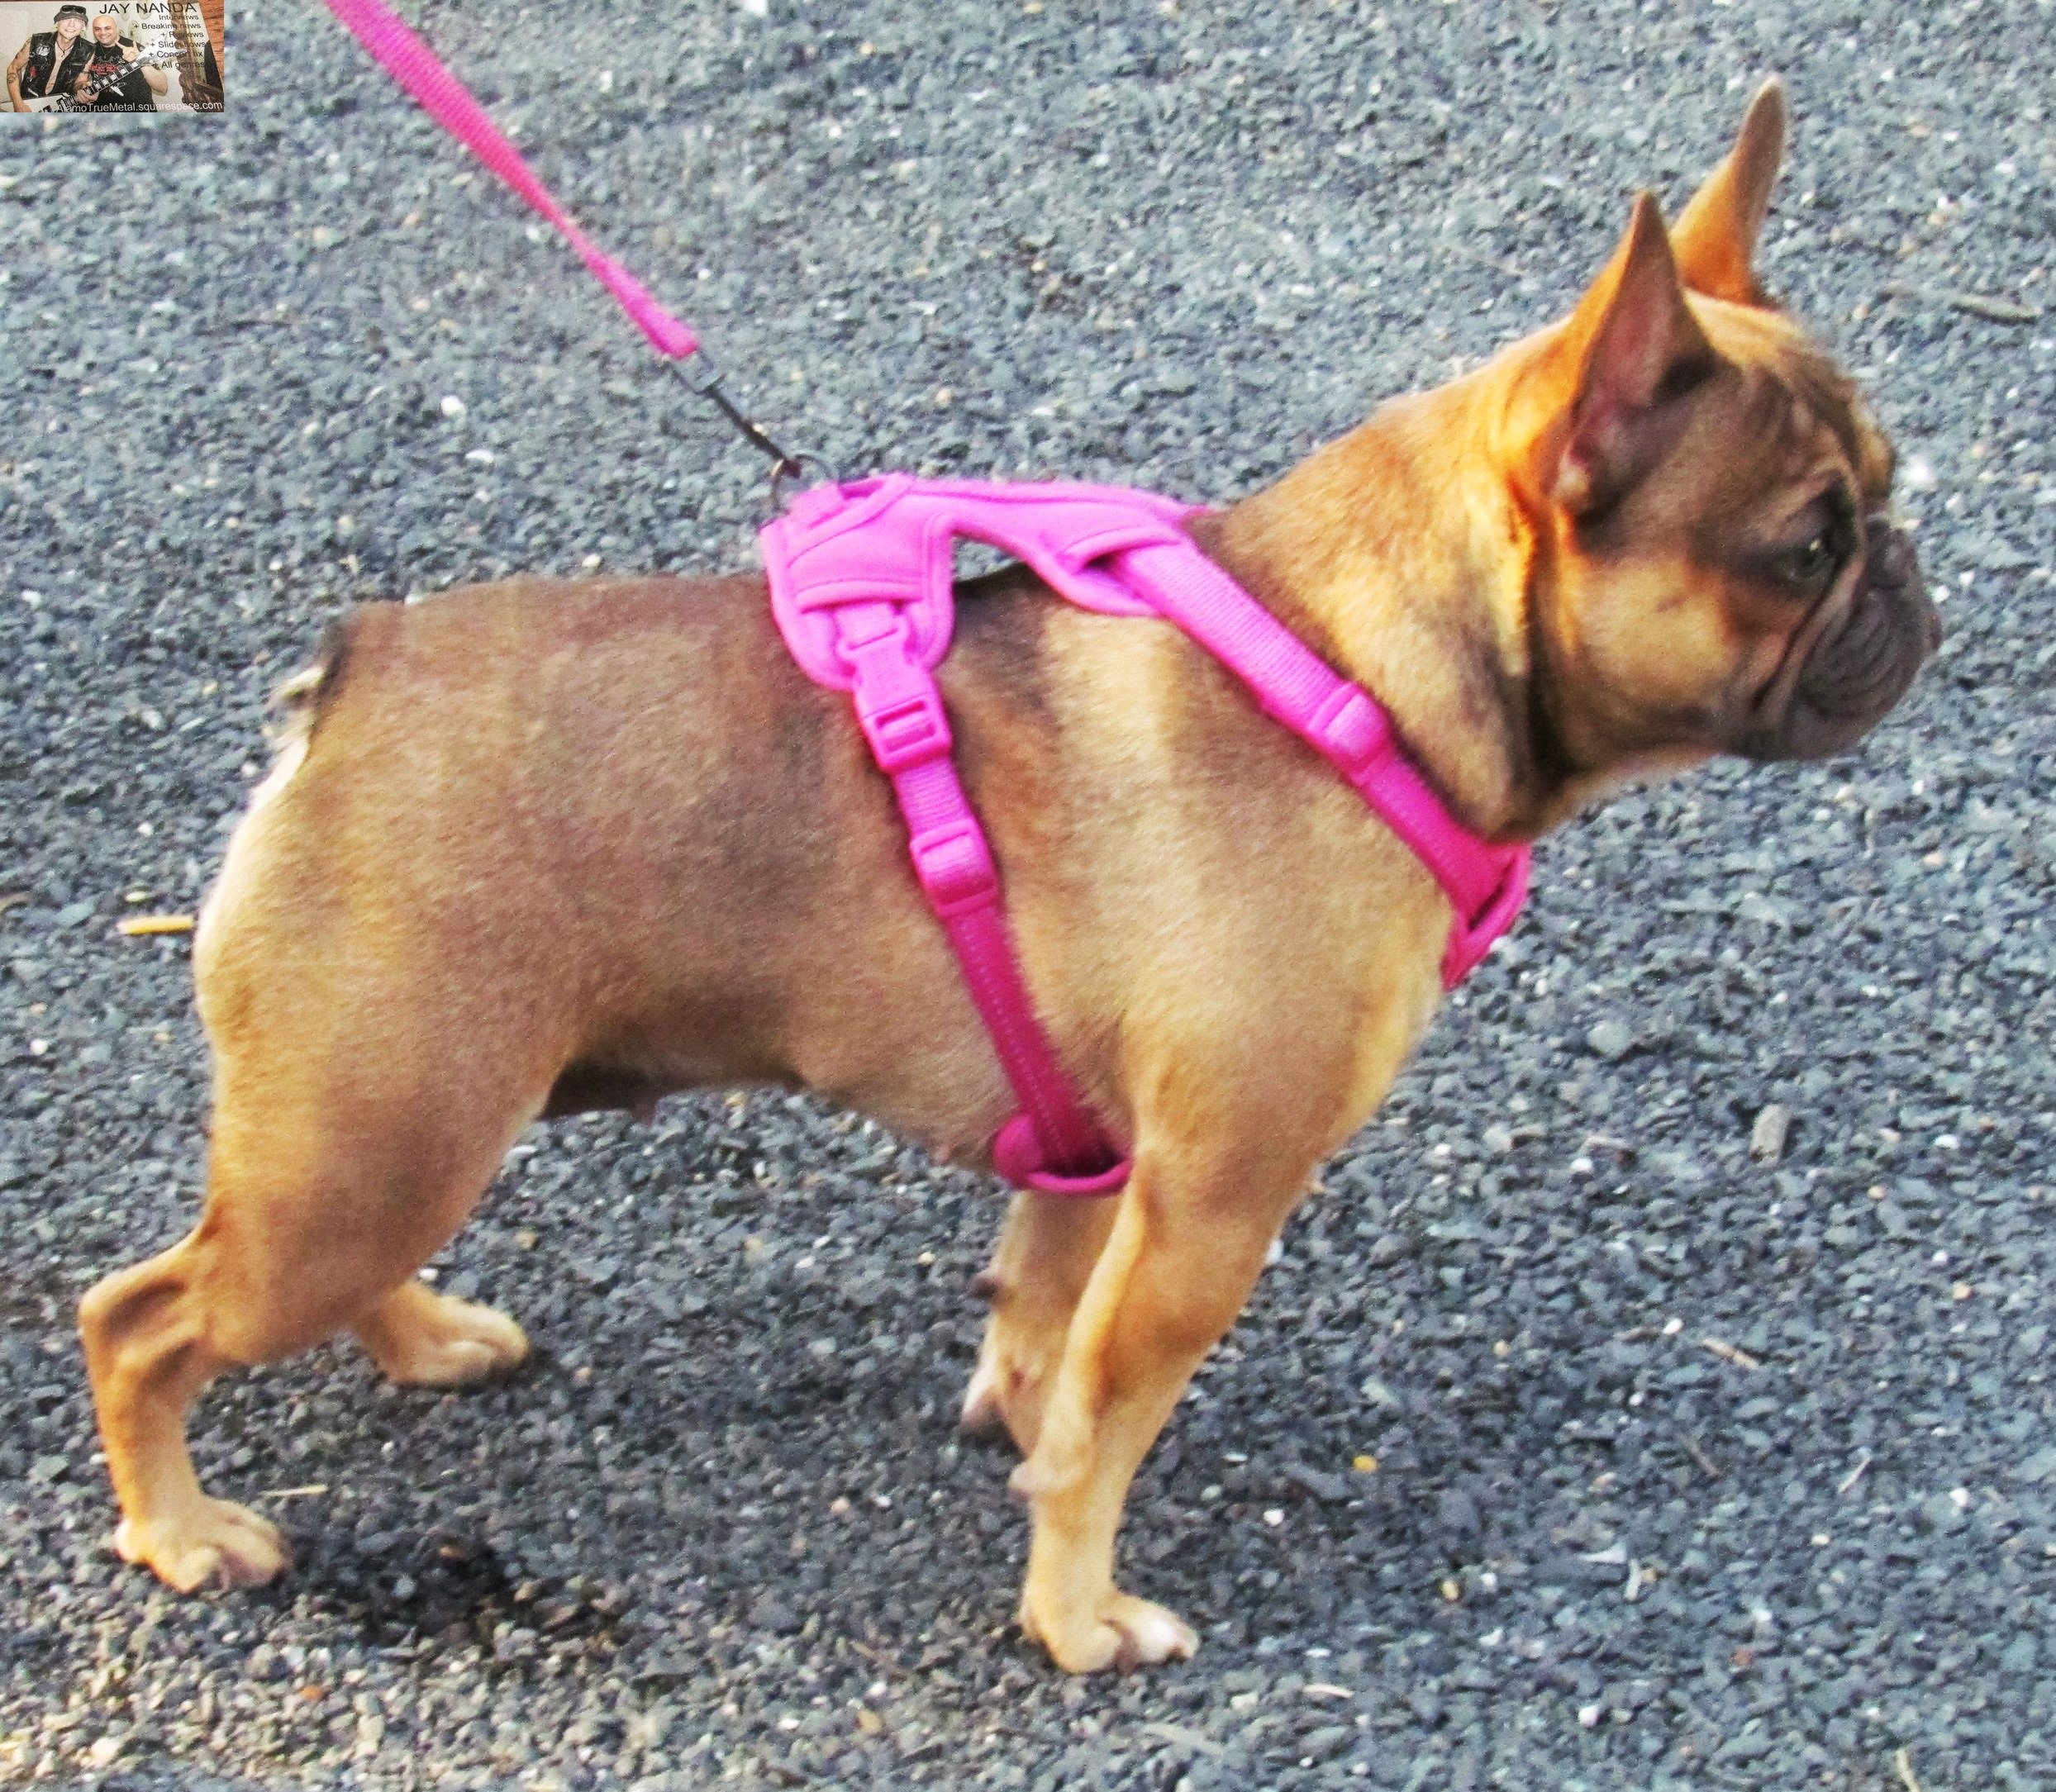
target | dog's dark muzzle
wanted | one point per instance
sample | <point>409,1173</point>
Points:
<point>1860,662</point>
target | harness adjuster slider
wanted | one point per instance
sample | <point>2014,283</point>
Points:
<point>955,868</point>
<point>1352,731</point>
<point>1474,935</point>
<point>1495,914</point>
<point>898,707</point>
<point>906,734</point>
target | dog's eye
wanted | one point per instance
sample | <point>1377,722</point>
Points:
<point>1812,565</point>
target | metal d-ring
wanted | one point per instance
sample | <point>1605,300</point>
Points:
<point>700,375</point>
<point>793,465</point>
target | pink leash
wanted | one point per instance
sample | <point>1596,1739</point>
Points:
<point>414,65</point>
<point>444,99</point>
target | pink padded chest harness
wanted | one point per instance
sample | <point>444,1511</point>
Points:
<point>863,587</point>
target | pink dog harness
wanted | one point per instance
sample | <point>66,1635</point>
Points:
<point>863,586</point>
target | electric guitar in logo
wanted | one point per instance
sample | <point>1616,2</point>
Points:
<point>109,74</point>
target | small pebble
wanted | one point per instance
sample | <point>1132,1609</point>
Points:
<point>1767,1135</point>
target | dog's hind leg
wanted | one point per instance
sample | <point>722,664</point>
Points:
<point>148,1354</point>
<point>326,1192</point>
<point>1045,1254</point>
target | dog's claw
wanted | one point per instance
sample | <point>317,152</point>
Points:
<point>985,1286</point>
<point>981,1415</point>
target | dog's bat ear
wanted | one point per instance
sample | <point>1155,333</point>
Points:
<point>1630,347</point>
<point>1714,241</point>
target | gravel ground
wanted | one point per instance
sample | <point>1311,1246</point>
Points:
<point>1691,1295</point>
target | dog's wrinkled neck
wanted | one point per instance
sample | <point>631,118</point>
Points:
<point>1399,553</point>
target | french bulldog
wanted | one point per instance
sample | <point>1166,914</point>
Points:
<point>538,845</point>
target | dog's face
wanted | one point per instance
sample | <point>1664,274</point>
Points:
<point>1714,570</point>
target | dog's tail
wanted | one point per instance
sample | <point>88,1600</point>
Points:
<point>298,703</point>
<point>296,708</point>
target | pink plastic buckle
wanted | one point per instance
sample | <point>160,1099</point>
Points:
<point>898,707</point>
<point>955,868</point>
<point>906,734</point>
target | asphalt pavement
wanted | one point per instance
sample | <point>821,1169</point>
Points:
<point>1656,1393</point>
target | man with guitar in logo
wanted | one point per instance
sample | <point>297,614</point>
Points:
<point>115,78</point>
<point>50,63</point>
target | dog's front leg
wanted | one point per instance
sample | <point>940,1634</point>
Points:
<point>1185,1249</point>
<point>1038,1274</point>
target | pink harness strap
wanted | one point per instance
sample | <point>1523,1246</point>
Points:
<point>862,587</point>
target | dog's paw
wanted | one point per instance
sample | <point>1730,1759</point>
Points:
<point>439,1340</point>
<point>212,1543</point>
<point>1120,1631</point>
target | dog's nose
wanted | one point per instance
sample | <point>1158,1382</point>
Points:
<point>1894,569</point>
<point>1889,549</point>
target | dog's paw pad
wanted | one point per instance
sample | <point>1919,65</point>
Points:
<point>213,1544</point>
